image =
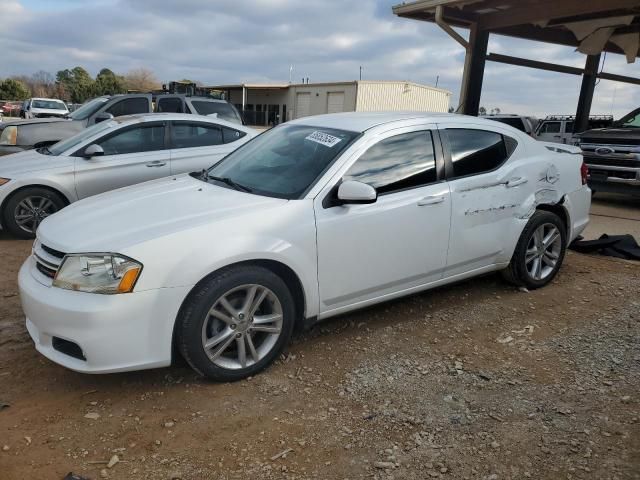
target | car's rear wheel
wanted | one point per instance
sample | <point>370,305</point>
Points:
<point>236,323</point>
<point>540,251</point>
<point>25,210</point>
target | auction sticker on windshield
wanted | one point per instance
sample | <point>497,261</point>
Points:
<point>323,139</point>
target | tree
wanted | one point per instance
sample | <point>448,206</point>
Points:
<point>482,111</point>
<point>142,80</point>
<point>12,89</point>
<point>77,83</point>
<point>108,83</point>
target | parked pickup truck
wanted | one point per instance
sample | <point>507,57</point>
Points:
<point>612,155</point>
<point>22,135</point>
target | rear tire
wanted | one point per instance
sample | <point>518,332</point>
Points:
<point>25,210</point>
<point>236,323</point>
<point>539,253</point>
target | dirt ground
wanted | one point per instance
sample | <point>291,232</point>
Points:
<point>478,380</point>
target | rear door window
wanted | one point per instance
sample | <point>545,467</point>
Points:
<point>477,151</point>
<point>194,134</point>
<point>170,105</point>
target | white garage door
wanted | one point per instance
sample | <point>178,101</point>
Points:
<point>335,102</point>
<point>303,105</point>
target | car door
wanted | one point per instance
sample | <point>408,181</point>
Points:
<point>489,182</point>
<point>133,154</point>
<point>373,251</point>
<point>550,131</point>
<point>196,145</point>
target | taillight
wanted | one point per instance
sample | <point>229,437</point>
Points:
<point>584,172</point>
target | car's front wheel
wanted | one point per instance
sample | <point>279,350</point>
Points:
<point>236,323</point>
<point>540,251</point>
<point>26,209</point>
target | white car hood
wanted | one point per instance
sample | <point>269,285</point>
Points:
<point>115,220</point>
<point>30,161</point>
<point>49,111</point>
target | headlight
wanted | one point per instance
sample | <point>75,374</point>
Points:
<point>3,180</point>
<point>103,273</point>
<point>9,135</point>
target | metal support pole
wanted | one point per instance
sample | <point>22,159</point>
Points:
<point>586,93</point>
<point>474,71</point>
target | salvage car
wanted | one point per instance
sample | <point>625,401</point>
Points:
<point>313,218</point>
<point>40,132</point>
<point>112,154</point>
<point>43,108</point>
<point>612,156</point>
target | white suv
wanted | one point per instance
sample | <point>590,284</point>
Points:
<point>44,108</point>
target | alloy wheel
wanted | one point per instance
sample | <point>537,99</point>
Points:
<point>543,251</point>
<point>30,212</point>
<point>242,327</point>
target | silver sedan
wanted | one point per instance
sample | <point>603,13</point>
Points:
<point>113,154</point>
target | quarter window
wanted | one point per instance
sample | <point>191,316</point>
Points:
<point>134,140</point>
<point>189,135</point>
<point>478,151</point>
<point>397,163</point>
<point>230,135</point>
<point>129,106</point>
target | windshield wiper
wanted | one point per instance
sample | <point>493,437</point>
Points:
<point>44,150</point>
<point>231,183</point>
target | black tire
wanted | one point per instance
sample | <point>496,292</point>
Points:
<point>38,196</point>
<point>195,311</point>
<point>517,271</point>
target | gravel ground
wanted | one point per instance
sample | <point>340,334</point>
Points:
<point>478,380</point>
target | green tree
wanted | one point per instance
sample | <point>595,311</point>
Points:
<point>108,83</point>
<point>77,83</point>
<point>11,89</point>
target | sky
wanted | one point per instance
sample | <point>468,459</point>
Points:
<point>239,41</point>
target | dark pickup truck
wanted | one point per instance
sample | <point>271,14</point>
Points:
<point>612,156</point>
<point>19,135</point>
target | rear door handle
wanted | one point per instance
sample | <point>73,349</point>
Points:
<point>514,182</point>
<point>156,163</point>
<point>433,200</point>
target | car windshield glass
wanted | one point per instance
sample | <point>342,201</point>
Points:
<point>224,110</point>
<point>630,120</point>
<point>285,161</point>
<point>77,139</point>
<point>87,109</point>
<point>50,104</point>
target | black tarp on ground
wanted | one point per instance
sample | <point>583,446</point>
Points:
<point>619,246</point>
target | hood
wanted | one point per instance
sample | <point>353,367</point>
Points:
<point>49,111</point>
<point>36,120</point>
<point>612,133</point>
<point>126,217</point>
<point>30,161</point>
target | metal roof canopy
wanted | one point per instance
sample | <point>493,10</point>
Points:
<point>592,26</point>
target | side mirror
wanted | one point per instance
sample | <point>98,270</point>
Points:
<point>93,150</point>
<point>352,192</point>
<point>102,116</point>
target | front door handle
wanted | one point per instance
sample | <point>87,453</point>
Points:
<point>156,163</point>
<point>433,200</point>
<point>514,182</point>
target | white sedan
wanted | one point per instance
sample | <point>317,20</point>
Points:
<point>109,155</point>
<point>314,218</point>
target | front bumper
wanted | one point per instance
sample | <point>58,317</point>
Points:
<point>114,332</point>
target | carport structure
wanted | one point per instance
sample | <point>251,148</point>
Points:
<point>592,26</point>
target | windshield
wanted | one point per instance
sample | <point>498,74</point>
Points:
<point>77,139</point>
<point>224,110</point>
<point>50,104</point>
<point>630,120</point>
<point>87,109</point>
<point>285,161</point>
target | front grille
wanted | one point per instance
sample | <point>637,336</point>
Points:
<point>608,141</point>
<point>612,162</point>
<point>598,172</point>
<point>48,260</point>
<point>68,348</point>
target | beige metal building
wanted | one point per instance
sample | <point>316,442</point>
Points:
<point>272,104</point>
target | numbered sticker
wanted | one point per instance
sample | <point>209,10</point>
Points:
<point>324,139</point>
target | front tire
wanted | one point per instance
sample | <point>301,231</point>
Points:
<point>26,209</point>
<point>236,323</point>
<point>539,253</point>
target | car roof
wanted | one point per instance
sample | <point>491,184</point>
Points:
<point>50,99</point>
<point>159,116</point>
<point>362,121</point>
